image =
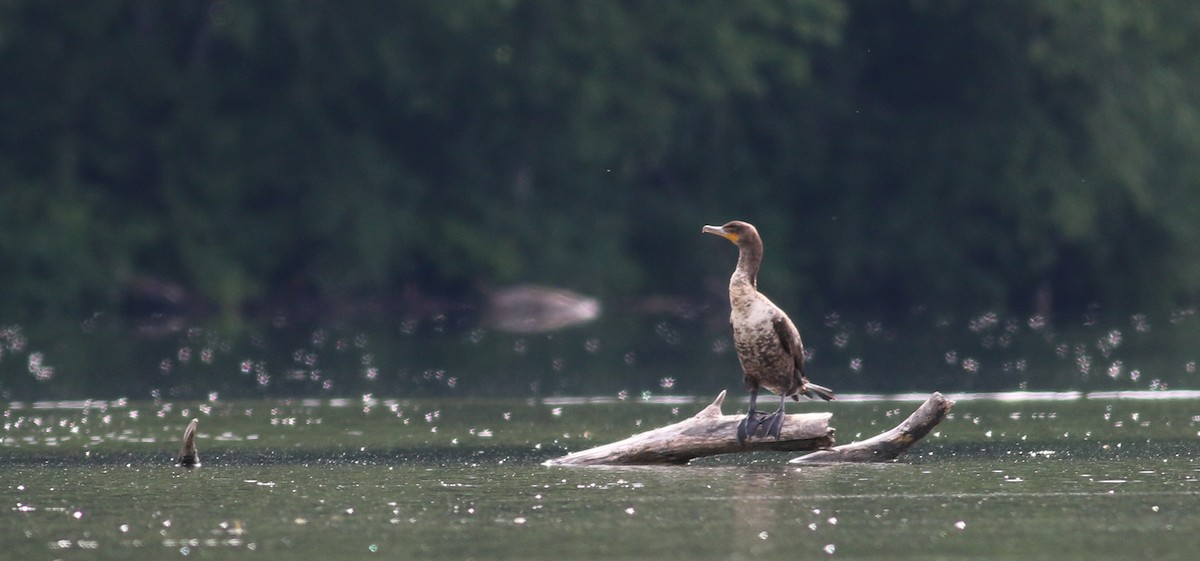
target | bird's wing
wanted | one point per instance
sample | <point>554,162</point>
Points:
<point>789,338</point>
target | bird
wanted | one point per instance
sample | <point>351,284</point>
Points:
<point>188,457</point>
<point>767,342</point>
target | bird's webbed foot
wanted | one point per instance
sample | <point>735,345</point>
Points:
<point>774,423</point>
<point>757,423</point>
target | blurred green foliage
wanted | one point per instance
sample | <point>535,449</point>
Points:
<point>892,152</point>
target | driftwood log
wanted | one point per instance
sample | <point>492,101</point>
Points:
<point>710,433</point>
<point>888,445</point>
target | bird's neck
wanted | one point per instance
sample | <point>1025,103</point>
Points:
<point>746,274</point>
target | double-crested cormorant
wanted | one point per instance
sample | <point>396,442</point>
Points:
<point>768,344</point>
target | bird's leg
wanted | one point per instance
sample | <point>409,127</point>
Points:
<point>750,425</point>
<point>774,421</point>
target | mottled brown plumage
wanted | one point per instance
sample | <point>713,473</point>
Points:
<point>768,344</point>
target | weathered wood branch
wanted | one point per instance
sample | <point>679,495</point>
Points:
<point>890,444</point>
<point>708,433</point>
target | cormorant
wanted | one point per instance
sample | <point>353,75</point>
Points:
<point>768,344</point>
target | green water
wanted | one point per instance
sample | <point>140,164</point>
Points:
<point>1102,477</point>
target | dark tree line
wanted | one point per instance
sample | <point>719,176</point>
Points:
<point>893,153</point>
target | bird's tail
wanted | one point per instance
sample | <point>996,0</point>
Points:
<point>817,392</point>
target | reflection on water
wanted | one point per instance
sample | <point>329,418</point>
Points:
<point>449,478</point>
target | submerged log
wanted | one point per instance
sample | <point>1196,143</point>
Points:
<point>708,433</point>
<point>188,456</point>
<point>888,445</point>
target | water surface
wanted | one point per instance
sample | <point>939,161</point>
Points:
<point>1069,476</point>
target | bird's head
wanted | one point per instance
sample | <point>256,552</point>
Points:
<point>736,231</point>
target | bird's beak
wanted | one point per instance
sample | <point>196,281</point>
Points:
<point>716,230</point>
